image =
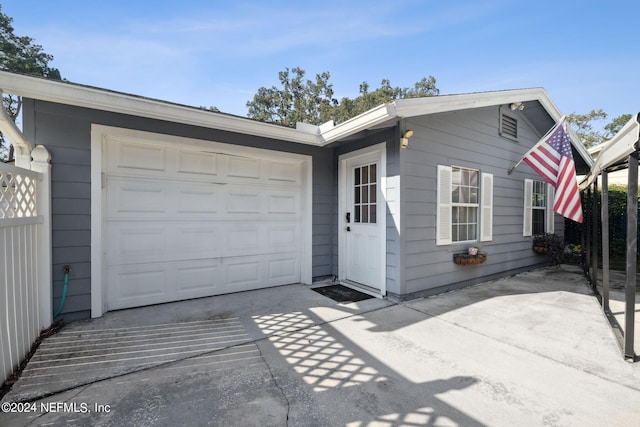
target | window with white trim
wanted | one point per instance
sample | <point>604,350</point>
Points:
<point>538,207</point>
<point>464,205</point>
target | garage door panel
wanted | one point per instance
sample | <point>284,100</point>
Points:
<point>243,167</point>
<point>140,242</point>
<point>282,237</point>
<point>283,270</point>
<point>198,278</point>
<point>136,243</point>
<point>283,172</point>
<point>199,241</point>
<point>129,156</point>
<point>283,202</point>
<point>131,197</point>
<point>140,282</point>
<point>244,239</point>
<point>197,163</point>
<point>243,202</point>
<point>243,273</point>
<point>196,199</point>
<point>183,223</point>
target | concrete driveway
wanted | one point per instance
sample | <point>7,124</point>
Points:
<point>529,350</point>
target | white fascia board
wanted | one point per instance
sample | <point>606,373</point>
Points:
<point>615,150</point>
<point>371,118</point>
<point>412,107</point>
<point>89,97</point>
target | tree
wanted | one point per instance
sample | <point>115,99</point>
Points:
<point>349,108</point>
<point>584,125</point>
<point>313,102</point>
<point>309,101</point>
<point>19,54</point>
<point>617,124</point>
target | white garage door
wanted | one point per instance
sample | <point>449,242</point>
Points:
<point>185,221</point>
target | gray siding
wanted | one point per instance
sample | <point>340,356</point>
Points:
<point>467,138</point>
<point>415,266</point>
<point>66,132</point>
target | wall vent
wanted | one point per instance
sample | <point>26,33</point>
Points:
<point>509,127</point>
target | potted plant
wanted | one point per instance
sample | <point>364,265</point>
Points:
<point>473,256</point>
<point>551,245</point>
<point>541,243</point>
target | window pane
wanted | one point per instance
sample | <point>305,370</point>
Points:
<point>365,214</point>
<point>356,178</point>
<point>357,212</point>
<point>454,233</point>
<point>365,194</point>
<point>455,194</point>
<point>455,176</point>
<point>464,194</point>
<point>537,221</point>
<point>372,173</point>
<point>473,216</point>
<point>356,193</point>
<point>372,214</point>
<point>365,174</point>
<point>474,195</point>
<point>462,234</point>
<point>474,178</point>
<point>372,193</point>
<point>455,217</point>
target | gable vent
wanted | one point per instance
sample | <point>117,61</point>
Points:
<point>509,127</point>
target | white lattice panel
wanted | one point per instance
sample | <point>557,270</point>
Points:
<point>17,195</point>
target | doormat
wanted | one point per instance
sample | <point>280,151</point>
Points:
<point>342,294</point>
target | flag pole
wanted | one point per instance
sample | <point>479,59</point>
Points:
<point>553,128</point>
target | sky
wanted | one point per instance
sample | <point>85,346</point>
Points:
<point>219,53</point>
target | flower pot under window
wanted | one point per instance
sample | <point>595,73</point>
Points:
<point>541,249</point>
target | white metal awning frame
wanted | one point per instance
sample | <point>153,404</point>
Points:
<point>621,151</point>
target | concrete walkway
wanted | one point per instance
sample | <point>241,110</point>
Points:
<point>529,350</point>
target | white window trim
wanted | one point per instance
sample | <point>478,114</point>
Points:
<point>550,215</point>
<point>444,235</point>
<point>527,217</point>
<point>443,208</point>
<point>486,207</point>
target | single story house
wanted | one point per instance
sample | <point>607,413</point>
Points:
<point>155,202</point>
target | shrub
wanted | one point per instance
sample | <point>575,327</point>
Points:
<point>555,243</point>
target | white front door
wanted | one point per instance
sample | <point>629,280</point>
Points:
<point>363,210</point>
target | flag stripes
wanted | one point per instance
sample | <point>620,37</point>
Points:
<point>545,162</point>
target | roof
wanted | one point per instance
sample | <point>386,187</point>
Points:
<point>614,151</point>
<point>544,111</point>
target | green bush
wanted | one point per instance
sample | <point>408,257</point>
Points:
<point>617,221</point>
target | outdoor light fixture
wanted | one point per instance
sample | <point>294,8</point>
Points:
<point>517,106</point>
<point>404,141</point>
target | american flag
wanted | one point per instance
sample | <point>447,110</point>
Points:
<point>551,158</point>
